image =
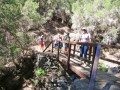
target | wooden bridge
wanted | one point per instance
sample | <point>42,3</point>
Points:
<point>72,61</point>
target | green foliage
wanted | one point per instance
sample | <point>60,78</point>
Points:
<point>34,81</point>
<point>1,38</point>
<point>14,50</point>
<point>21,37</point>
<point>113,31</point>
<point>102,67</point>
<point>40,72</point>
<point>107,4</point>
<point>76,7</point>
<point>11,12</point>
<point>29,10</point>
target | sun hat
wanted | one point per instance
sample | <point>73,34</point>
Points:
<point>84,29</point>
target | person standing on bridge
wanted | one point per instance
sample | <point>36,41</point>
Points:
<point>66,37</point>
<point>57,38</point>
<point>85,37</point>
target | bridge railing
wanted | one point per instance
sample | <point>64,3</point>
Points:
<point>93,55</point>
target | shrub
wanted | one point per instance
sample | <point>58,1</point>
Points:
<point>102,67</point>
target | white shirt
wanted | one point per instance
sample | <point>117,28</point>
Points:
<point>85,37</point>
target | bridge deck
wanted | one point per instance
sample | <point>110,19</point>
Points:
<point>102,78</point>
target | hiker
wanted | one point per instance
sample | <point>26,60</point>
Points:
<point>56,39</point>
<point>41,41</point>
<point>42,44</point>
<point>66,37</point>
<point>85,37</point>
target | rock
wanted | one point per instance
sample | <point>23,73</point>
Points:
<point>59,88</point>
<point>107,86</point>
<point>54,67</point>
<point>53,79</point>
<point>12,83</point>
<point>114,87</point>
<point>10,65</point>
<point>41,60</point>
<point>113,70</point>
<point>73,77</point>
<point>79,84</point>
<point>61,73</point>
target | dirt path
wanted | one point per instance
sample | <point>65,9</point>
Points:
<point>37,48</point>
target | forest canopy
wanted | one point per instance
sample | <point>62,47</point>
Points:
<point>18,16</point>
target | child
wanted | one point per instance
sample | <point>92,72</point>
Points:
<point>41,41</point>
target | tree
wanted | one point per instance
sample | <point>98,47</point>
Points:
<point>12,38</point>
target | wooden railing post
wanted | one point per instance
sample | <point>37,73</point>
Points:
<point>94,51</point>
<point>90,51</point>
<point>58,50</point>
<point>52,46</point>
<point>74,49</point>
<point>69,52</point>
<point>94,68</point>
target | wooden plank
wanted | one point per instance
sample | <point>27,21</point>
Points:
<point>94,51</point>
<point>88,44</point>
<point>79,43</point>
<point>58,51</point>
<point>82,59</point>
<point>94,68</point>
<point>79,73</point>
<point>52,47</point>
<point>112,61</point>
<point>74,49</point>
<point>90,51</point>
<point>47,46</point>
<point>77,69</point>
<point>68,61</point>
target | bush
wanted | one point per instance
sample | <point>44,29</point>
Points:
<point>102,67</point>
<point>39,72</point>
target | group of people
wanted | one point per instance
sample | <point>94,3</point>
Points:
<point>59,37</point>
<point>83,37</point>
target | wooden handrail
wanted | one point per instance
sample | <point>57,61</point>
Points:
<point>47,46</point>
<point>79,43</point>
